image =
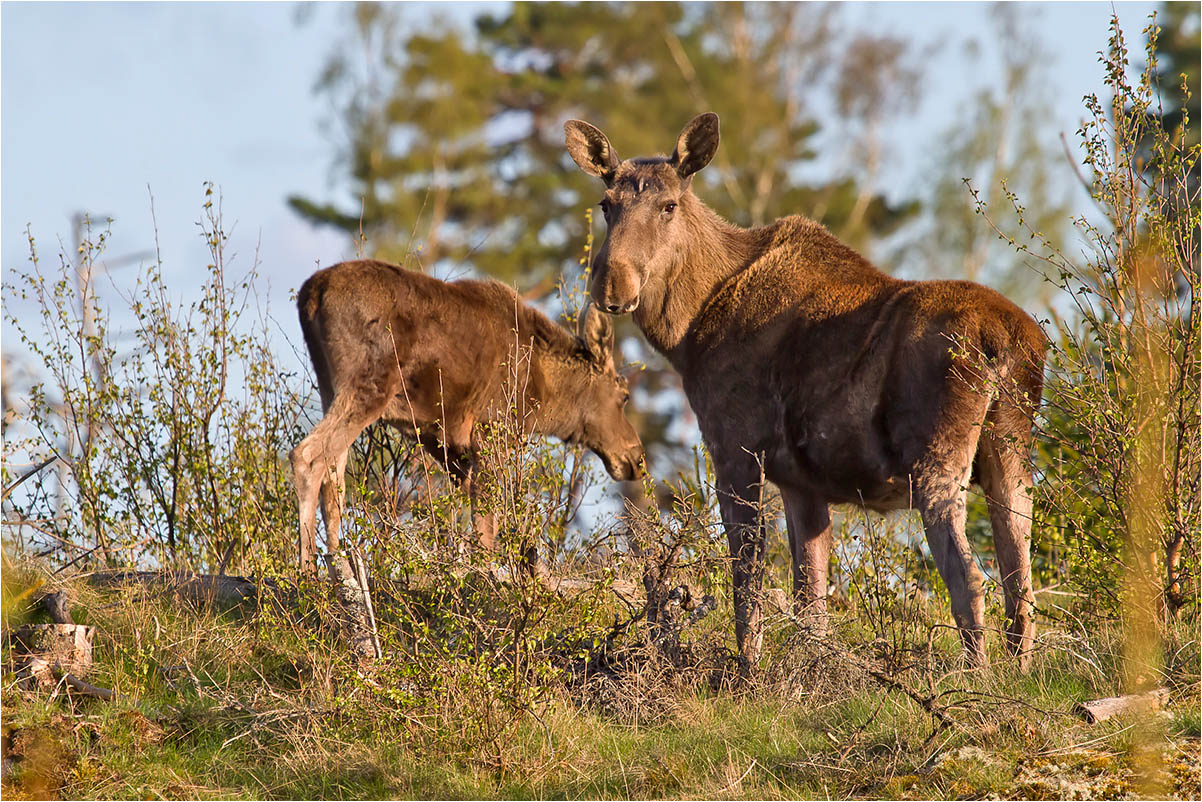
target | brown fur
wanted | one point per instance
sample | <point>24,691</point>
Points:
<point>843,383</point>
<point>433,359</point>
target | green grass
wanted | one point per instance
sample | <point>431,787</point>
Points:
<point>256,705</point>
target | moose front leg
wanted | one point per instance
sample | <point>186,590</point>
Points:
<point>454,451</point>
<point>484,524</point>
<point>739,497</point>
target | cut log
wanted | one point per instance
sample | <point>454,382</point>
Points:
<point>1102,709</point>
<point>39,648</point>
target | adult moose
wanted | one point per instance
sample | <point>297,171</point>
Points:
<point>435,358</point>
<point>838,383</point>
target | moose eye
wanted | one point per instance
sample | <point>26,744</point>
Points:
<point>604,204</point>
<point>669,208</point>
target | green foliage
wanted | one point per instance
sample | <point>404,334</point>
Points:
<point>1118,460</point>
<point>169,436</point>
<point>1176,68</point>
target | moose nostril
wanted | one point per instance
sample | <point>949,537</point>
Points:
<point>613,309</point>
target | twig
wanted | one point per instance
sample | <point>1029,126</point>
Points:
<point>77,559</point>
<point>820,766</point>
<point>1090,742</point>
<point>35,469</point>
<point>736,782</point>
<point>855,736</point>
<point>547,731</point>
<point>925,702</point>
<point>1073,164</point>
<point>361,576</point>
<point>79,686</point>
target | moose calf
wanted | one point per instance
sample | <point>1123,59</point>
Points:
<point>435,358</point>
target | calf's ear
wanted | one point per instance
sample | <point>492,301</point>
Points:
<point>697,144</point>
<point>591,150</point>
<point>597,331</point>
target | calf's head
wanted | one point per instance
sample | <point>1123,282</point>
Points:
<point>647,207</point>
<point>596,399</point>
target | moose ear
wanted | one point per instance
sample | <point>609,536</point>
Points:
<point>697,144</point>
<point>597,331</point>
<point>591,149</point>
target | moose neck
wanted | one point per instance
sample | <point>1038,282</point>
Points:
<point>553,382</point>
<point>536,347</point>
<point>713,251</point>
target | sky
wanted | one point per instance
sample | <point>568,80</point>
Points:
<point>104,106</point>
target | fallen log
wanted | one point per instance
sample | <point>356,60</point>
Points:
<point>1102,709</point>
<point>232,591</point>
<point>201,589</point>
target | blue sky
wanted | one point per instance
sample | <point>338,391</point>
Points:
<point>104,103</point>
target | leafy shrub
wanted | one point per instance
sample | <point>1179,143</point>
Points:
<point>170,436</point>
<point>1117,460</point>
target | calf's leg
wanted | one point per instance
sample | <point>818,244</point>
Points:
<point>307,479</point>
<point>484,524</point>
<point>333,496</point>
<point>453,448</point>
<point>318,463</point>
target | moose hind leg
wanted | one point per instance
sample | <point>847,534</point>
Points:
<point>1006,480</point>
<point>319,455</point>
<point>311,461</point>
<point>942,502</point>
<point>809,523</point>
<point>333,494</point>
<point>940,482</point>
